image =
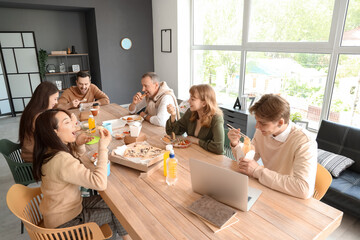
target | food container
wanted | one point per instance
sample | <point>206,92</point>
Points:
<point>135,129</point>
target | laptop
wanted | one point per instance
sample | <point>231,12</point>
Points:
<point>224,185</point>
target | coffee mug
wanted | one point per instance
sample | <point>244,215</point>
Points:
<point>108,126</point>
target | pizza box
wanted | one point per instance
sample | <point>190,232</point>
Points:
<point>143,165</point>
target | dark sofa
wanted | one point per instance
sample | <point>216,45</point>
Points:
<point>344,192</point>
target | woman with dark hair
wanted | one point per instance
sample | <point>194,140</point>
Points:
<point>203,122</point>
<point>56,163</point>
<point>45,97</point>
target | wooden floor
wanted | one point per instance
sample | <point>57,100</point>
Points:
<point>10,225</point>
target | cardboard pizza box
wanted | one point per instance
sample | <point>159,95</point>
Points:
<point>144,165</point>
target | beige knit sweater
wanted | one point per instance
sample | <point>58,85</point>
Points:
<point>63,175</point>
<point>290,166</point>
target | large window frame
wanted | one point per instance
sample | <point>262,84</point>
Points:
<point>332,47</point>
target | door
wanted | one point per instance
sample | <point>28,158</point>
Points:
<point>20,70</point>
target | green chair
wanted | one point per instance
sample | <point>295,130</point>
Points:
<point>227,148</point>
<point>21,171</point>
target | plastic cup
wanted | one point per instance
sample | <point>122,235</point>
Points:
<point>108,126</point>
<point>94,111</point>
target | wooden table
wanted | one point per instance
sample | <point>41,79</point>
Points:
<point>150,209</point>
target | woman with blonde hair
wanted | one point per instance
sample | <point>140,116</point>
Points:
<point>203,121</point>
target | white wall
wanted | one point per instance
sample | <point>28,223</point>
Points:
<point>174,67</point>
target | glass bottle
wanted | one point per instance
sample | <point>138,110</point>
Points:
<point>172,162</point>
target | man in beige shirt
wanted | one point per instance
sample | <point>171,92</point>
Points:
<point>83,92</point>
<point>157,95</point>
<point>288,152</point>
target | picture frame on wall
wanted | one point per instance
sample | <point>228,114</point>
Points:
<point>302,124</point>
<point>166,40</point>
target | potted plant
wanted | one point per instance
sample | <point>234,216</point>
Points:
<point>296,116</point>
<point>42,57</point>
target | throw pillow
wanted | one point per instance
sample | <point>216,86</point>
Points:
<point>334,163</point>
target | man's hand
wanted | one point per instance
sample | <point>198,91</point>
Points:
<point>143,114</point>
<point>75,103</point>
<point>234,137</point>
<point>137,98</point>
<point>247,166</point>
<point>83,138</point>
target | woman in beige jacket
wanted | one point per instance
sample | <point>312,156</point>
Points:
<point>57,165</point>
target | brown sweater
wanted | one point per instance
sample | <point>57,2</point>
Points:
<point>63,175</point>
<point>72,93</point>
<point>28,144</point>
<point>27,149</point>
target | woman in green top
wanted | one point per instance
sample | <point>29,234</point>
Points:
<point>203,122</point>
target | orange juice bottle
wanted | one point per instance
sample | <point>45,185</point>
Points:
<point>166,156</point>
<point>91,122</point>
<point>172,162</point>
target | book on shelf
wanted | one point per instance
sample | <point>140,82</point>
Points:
<point>214,212</point>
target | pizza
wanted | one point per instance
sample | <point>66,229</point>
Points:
<point>143,151</point>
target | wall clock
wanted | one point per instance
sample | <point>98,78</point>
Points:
<point>126,43</point>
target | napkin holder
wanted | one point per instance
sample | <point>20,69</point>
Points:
<point>128,139</point>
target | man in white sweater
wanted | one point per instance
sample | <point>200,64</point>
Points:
<point>288,151</point>
<point>157,95</point>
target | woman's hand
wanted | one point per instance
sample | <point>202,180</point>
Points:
<point>105,138</point>
<point>83,138</point>
<point>171,109</point>
<point>193,139</point>
<point>234,137</point>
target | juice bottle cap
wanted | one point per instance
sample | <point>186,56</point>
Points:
<point>95,104</point>
<point>91,116</point>
<point>169,147</point>
<point>172,154</point>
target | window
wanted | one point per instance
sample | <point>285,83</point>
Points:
<point>298,77</point>
<point>293,20</point>
<point>307,51</point>
<point>351,36</point>
<point>345,105</point>
<point>218,22</point>
<point>220,69</point>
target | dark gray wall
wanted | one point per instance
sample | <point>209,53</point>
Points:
<point>106,23</point>
<point>54,30</point>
